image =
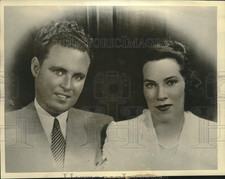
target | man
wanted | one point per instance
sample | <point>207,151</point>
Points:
<point>50,135</point>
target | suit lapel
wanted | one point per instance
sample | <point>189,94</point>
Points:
<point>31,151</point>
<point>80,152</point>
<point>75,139</point>
<point>41,147</point>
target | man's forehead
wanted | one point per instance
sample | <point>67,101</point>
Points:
<point>58,50</point>
<point>67,59</point>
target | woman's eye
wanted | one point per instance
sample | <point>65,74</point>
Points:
<point>58,73</point>
<point>150,85</point>
<point>171,82</point>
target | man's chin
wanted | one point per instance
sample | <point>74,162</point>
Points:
<point>57,111</point>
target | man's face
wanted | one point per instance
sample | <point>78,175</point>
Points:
<point>60,79</point>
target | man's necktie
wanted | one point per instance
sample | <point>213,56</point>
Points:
<point>58,144</point>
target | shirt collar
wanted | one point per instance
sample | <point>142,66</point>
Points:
<point>47,120</point>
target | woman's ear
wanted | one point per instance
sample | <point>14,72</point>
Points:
<point>35,66</point>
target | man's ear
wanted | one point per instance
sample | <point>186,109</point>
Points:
<point>35,66</point>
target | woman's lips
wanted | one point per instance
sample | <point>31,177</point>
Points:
<point>164,107</point>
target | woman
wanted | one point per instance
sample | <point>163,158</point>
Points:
<point>165,136</point>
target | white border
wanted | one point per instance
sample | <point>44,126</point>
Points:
<point>220,68</point>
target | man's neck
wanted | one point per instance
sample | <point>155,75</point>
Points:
<point>47,119</point>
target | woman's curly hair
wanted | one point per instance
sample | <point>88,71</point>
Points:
<point>65,33</point>
<point>180,53</point>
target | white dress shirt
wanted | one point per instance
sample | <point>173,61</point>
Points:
<point>47,121</point>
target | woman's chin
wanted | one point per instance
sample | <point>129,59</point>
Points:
<point>165,116</point>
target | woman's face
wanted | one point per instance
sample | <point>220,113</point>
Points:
<point>164,88</point>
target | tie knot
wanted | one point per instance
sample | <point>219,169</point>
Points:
<point>56,125</point>
<point>56,121</point>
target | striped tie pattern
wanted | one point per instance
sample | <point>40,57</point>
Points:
<point>58,144</point>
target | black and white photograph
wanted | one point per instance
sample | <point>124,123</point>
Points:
<point>112,90</point>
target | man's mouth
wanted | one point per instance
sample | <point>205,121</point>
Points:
<point>164,107</point>
<point>62,96</point>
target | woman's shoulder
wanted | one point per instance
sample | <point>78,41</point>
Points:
<point>126,122</point>
<point>192,117</point>
<point>197,124</point>
<point>121,128</point>
<point>202,135</point>
<point>122,140</point>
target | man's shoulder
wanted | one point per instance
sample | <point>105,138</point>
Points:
<point>87,112</point>
<point>75,111</point>
<point>19,109</point>
<point>20,113</point>
<point>90,116</point>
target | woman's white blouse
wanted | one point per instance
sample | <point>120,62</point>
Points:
<point>133,145</point>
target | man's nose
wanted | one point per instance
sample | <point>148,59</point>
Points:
<point>162,94</point>
<point>66,83</point>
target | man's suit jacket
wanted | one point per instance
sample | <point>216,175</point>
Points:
<point>28,150</point>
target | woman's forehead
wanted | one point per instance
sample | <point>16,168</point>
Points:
<point>160,69</point>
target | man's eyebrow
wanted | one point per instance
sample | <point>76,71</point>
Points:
<point>169,78</point>
<point>57,68</point>
<point>79,73</point>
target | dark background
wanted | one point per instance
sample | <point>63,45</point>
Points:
<point>114,85</point>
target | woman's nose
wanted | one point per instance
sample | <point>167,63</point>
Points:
<point>162,95</point>
<point>66,83</point>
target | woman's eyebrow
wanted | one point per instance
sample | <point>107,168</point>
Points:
<point>171,77</point>
<point>147,80</point>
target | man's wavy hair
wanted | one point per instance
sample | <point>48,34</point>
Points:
<point>180,53</point>
<point>65,33</point>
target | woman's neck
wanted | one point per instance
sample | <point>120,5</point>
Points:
<point>168,131</point>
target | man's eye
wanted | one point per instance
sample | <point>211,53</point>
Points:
<point>79,77</point>
<point>58,73</point>
<point>150,85</point>
<point>171,82</point>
